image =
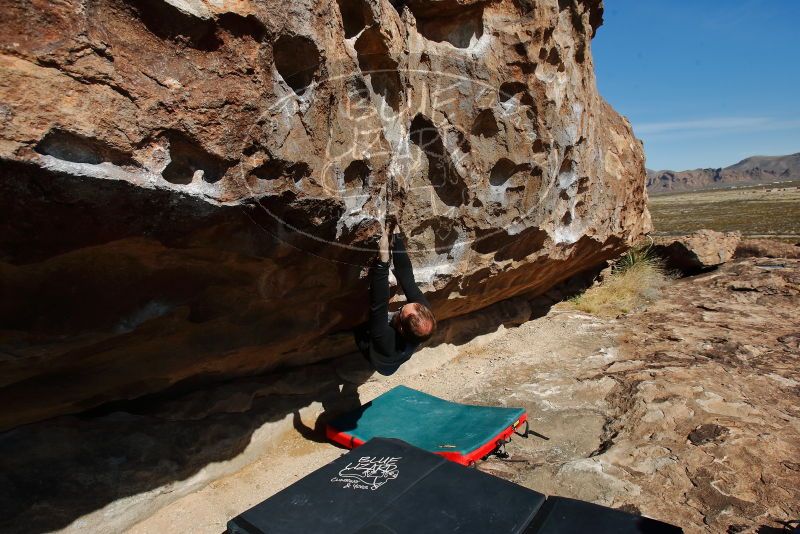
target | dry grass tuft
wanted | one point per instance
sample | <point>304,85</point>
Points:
<point>636,279</point>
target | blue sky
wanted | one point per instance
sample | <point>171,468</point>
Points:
<point>705,83</point>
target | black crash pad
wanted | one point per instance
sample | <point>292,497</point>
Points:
<point>386,485</point>
<point>560,515</point>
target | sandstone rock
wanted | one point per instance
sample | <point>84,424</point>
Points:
<point>189,190</point>
<point>706,433</point>
<point>766,248</point>
<point>701,250</point>
<point>727,378</point>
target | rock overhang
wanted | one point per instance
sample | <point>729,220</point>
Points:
<point>195,180</point>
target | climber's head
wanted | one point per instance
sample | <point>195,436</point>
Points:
<point>415,322</point>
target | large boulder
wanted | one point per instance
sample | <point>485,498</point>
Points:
<point>190,189</point>
<point>698,251</point>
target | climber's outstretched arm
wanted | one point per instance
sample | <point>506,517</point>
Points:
<point>404,272</point>
<point>381,334</point>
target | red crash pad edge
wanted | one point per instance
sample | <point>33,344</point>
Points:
<point>351,442</point>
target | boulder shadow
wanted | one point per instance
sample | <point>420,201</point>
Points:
<point>56,471</point>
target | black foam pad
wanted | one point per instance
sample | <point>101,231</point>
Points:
<point>387,486</point>
<point>560,515</point>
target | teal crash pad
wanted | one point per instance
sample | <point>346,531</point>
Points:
<point>459,432</point>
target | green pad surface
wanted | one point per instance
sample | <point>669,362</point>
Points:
<point>427,422</point>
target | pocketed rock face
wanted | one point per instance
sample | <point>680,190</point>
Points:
<point>189,190</point>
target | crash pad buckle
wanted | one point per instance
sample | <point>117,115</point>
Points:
<point>523,434</point>
<point>500,449</point>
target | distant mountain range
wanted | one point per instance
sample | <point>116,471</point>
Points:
<point>750,171</point>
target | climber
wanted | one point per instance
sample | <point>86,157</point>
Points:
<point>388,340</point>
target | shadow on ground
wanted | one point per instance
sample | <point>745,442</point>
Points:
<point>56,471</point>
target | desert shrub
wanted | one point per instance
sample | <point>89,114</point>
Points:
<point>636,279</point>
<point>637,255</point>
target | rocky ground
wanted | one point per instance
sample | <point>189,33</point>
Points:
<point>687,411</point>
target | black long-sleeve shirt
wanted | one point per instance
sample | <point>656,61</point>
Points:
<point>387,349</point>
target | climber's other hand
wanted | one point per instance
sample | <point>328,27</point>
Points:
<point>383,245</point>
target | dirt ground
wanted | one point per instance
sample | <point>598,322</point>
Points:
<point>687,411</point>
